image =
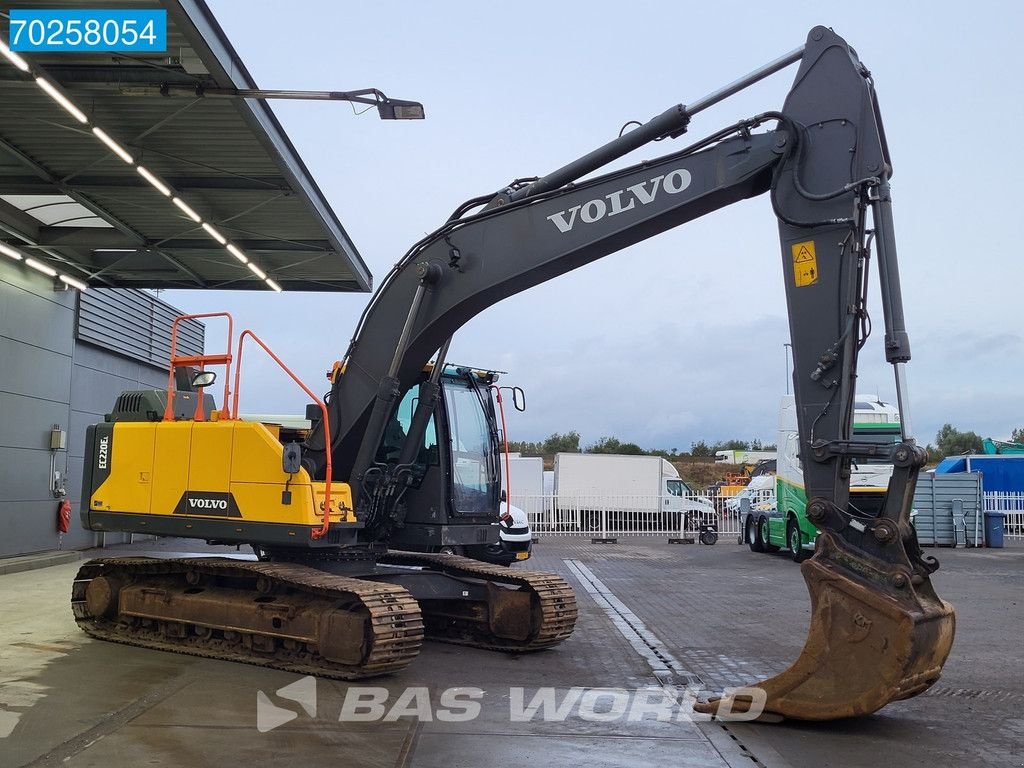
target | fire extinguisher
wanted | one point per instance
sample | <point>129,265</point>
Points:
<point>64,516</point>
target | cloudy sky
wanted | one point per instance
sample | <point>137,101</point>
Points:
<point>679,338</point>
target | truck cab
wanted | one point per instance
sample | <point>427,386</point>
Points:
<point>784,524</point>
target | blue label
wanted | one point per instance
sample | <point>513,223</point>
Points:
<point>84,30</point>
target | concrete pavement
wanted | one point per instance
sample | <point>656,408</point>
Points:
<point>721,614</point>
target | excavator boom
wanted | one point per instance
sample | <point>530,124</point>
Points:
<point>878,632</point>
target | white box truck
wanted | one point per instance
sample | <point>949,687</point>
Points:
<point>744,457</point>
<point>631,494</point>
<point>526,489</point>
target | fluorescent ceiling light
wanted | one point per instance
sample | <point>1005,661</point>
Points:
<point>12,57</point>
<point>273,285</point>
<point>73,283</point>
<point>215,234</point>
<point>187,209</point>
<point>257,271</point>
<point>40,267</point>
<point>144,173</point>
<point>61,99</point>
<point>6,250</point>
<point>116,148</point>
<point>233,250</point>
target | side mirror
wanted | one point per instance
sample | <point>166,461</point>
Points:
<point>504,496</point>
<point>203,379</point>
<point>519,399</point>
<point>291,459</point>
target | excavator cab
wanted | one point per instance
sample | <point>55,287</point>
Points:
<point>452,502</point>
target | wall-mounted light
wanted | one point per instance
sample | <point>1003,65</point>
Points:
<point>40,267</point>
<point>8,251</point>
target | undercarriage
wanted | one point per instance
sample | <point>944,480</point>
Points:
<point>339,618</point>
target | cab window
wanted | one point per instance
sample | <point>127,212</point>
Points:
<point>398,428</point>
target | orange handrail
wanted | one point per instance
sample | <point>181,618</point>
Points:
<point>200,360</point>
<point>316,533</point>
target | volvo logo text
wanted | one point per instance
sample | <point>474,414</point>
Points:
<point>621,200</point>
<point>208,503</point>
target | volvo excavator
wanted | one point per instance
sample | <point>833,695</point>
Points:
<point>328,596</point>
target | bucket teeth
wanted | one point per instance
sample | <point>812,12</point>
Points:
<point>870,643</point>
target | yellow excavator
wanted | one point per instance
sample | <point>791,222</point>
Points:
<point>329,594</point>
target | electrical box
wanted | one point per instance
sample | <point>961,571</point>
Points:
<point>58,439</point>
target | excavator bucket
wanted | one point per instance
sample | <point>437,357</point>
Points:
<point>876,636</point>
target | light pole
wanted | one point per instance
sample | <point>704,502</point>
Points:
<point>786,346</point>
<point>387,108</point>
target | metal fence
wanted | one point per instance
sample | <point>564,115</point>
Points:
<point>1011,505</point>
<point>612,516</point>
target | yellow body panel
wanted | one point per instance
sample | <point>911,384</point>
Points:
<point>157,468</point>
<point>171,461</point>
<point>130,485</point>
<point>210,457</point>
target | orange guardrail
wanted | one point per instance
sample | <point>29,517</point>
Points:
<point>229,410</point>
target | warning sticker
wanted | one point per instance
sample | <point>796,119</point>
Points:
<point>805,264</point>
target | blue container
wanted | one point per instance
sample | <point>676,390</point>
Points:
<point>994,529</point>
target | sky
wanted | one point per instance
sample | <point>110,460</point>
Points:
<point>679,338</point>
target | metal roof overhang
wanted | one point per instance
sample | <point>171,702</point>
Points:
<point>228,158</point>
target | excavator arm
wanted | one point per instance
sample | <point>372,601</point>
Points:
<point>878,631</point>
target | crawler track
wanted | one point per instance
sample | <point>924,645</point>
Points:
<point>278,615</point>
<point>542,615</point>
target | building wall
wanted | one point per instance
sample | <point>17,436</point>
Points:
<point>36,361</point>
<point>49,377</point>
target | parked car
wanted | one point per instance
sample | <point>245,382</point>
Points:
<point>761,489</point>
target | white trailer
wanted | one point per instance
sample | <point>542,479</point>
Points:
<point>743,457</point>
<point>526,489</point>
<point>596,491</point>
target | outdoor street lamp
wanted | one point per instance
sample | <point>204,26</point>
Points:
<point>388,109</point>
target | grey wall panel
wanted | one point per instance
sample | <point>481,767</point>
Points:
<point>88,356</point>
<point>18,277</point>
<point>31,319</point>
<point>95,391</point>
<point>24,474</point>
<point>47,377</point>
<point>27,421</point>
<point>36,326</point>
<point>29,526</point>
<point>135,324</point>
<point>79,422</point>
<point>28,370</point>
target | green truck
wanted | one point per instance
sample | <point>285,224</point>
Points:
<point>771,525</point>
